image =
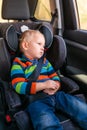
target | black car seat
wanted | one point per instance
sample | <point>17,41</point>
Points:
<point>8,46</point>
<point>15,107</point>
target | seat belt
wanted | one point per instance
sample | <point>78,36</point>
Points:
<point>36,72</point>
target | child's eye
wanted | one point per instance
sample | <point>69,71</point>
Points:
<point>39,43</point>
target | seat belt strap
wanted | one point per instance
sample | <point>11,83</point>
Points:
<point>36,72</point>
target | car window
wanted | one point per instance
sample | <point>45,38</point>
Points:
<point>43,10</point>
<point>82,11</point>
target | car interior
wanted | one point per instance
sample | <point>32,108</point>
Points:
<point>65,49</point>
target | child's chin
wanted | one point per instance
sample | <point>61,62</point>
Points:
<point>38,57</point>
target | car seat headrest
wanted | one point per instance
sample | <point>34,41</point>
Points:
<point>48,34</point>
<point>10,34</point>
<point>15,9</point>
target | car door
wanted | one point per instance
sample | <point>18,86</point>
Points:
<point>76,42</point>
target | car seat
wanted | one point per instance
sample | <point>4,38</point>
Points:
<point>9,51</point>
<point>9,45</point>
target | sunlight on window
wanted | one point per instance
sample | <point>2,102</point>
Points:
<point>82,10</point>
<point>43,10</point>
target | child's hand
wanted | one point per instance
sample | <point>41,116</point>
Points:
<point>51,91</point>
<point>50,84</point>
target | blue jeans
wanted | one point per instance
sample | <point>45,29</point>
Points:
<point>43,116</point>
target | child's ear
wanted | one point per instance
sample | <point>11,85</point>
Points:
<point>25,45</point>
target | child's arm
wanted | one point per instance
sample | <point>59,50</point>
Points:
<point>18,79</point>
<point>49,84</point>
<point>53,76</point>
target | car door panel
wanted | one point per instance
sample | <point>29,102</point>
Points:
<point>76,42</point>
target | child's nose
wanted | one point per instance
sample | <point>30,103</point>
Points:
<point>42,48</point>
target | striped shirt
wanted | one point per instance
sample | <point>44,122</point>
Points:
<point>23,67</point>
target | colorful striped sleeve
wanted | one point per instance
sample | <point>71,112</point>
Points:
<point>51,72</point>
<point>19,81</point>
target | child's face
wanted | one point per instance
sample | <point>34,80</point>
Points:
<point>36,46</point>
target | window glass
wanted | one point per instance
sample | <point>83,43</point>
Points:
<point>82,10</point>
<point>43,10</point>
